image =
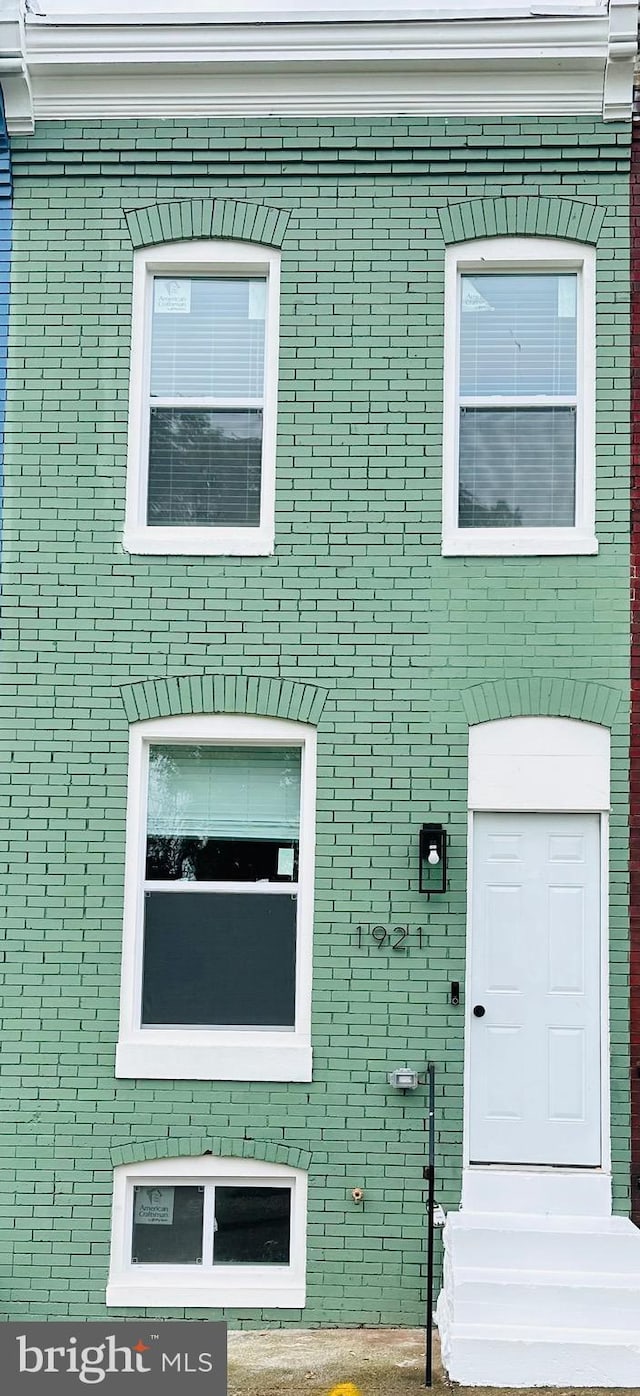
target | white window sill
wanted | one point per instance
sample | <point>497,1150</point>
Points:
<point>258,1289</point>
<point>162,1056</point>
<point>478,542</point>
<point>200,542</point>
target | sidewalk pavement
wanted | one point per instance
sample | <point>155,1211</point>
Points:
<point>345,1362</point>
<point>319,1361</point>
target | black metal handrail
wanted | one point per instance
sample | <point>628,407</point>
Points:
<point>429,1173</point>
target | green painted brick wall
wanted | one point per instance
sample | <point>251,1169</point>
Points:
<point>356,600</point>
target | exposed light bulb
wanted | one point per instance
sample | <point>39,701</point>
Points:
<point>433,857</point>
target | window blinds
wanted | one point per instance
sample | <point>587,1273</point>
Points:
<point>518,400</point>
<point>206,399</point>
<point>208,338</point>
<point>517,468</point>
<point>224,792</point>
<point>204,468</point>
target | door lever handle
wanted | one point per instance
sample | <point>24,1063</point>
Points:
<point>479,1010</point>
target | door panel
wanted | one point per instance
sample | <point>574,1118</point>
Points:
<point>566,1059</point>
<point>534,1057</point>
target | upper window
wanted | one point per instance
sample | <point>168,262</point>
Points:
<point>519,471</point>
<point>216,964</point>
<point>208,1231</point>
<point>203,399</point>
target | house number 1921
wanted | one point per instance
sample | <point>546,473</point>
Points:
<point>390,937</point>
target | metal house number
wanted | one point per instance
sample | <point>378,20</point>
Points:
<point>391,937</point>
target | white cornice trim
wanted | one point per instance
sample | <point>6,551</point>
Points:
<point>621,55</point>
<point>548,65</point>
<point>145,12</point>
<point>14,72</point>
<point>539,40</point>
<point>395,94</point>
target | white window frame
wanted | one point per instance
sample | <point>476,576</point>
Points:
<point>497,255</point>
<point>214,1054</point>
<point>236,1286</point>
<point>182,259</point>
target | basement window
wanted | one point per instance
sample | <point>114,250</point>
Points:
<point>208,1231</point>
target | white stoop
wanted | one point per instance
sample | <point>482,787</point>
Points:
<point>540,1301</point>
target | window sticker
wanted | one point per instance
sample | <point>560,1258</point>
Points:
<point>472,299</point>
<point>171,297</point>
<point>153,1206</point>
<point>285,862</point>
<point>566,297</point>
<point>257,300</point>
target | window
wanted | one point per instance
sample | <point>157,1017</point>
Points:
<point>202,417</point>
<point>218,900</point>
<point>208,1231</point>
<point>519,471</point>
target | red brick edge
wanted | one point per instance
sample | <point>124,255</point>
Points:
<point>635,671</point>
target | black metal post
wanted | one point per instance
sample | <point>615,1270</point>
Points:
<point>429,1173</point>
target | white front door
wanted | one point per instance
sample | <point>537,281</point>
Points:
<point>534,1053</point>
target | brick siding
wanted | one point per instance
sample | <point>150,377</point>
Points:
<point>357,601</point>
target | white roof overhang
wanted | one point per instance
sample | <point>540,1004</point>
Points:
<point>63,60</point>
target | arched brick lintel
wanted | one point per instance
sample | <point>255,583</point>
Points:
<point>195,1146</point>
<point>523,216</point>
<point>550,697</point>
<point>183,220</point>
<point>224,693</point>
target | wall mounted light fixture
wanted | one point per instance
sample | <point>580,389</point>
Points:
<point>404,1078</point>
<point>433,858</point>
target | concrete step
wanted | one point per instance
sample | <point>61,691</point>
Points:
<point>564,1192</point>
<point>540,1301</point>
<point>556,1300</point>
<point>485,1355</point>
<point>605,1245</point>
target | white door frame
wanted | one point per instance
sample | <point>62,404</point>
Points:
<point>540,765</point>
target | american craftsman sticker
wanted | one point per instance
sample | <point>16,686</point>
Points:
<point>171,297</point>
<point>153,1207</point>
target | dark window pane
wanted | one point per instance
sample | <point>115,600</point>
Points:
<point>204,468</point>
<point>167,1225</point>
<point>219,860</point>
<point>253,1226</point>
<point>517,467</point>
<point>219,959</point>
